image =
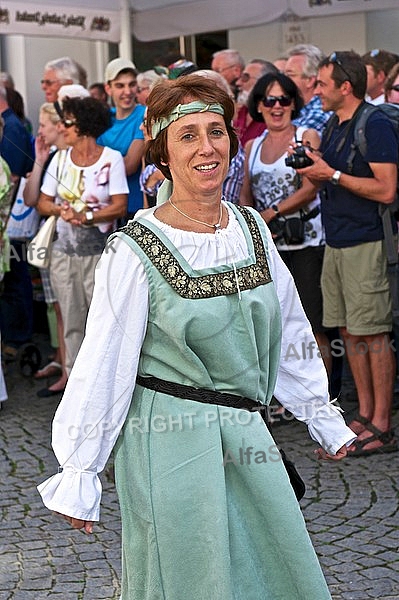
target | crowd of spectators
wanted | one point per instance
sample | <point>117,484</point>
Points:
<point>87,165</point>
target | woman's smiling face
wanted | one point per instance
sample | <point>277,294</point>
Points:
<point>198,148</point>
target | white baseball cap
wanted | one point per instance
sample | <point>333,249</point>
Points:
<point>117,65</point>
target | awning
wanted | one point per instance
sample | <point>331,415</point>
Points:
<point>161,19</point>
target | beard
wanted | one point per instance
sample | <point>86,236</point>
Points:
<point>242,97</point>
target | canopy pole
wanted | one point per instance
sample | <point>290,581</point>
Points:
<point>125,45</point>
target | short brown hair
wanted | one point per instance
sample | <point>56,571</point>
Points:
<point>166,95</point>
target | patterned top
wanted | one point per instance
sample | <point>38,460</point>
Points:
<point>205,286</point>
<point>312,116</point>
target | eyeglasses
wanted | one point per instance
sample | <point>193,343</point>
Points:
<point>395,88</point>
<point>333,58</point>
<point>270,101</point>
<point>68,123</point>
<point>48,82</point>
<point>224,68</point>
<point>245,77</point>
<point>141,89</point>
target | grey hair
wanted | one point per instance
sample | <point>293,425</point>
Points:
<point>150,77</point>
<point>266,66</point>
<point>217,78</point>
<point>6,78</point>
<point>234,56</point>
<point>65,67</point>
<point>313,56</point>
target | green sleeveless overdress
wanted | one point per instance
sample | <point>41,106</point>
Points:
<point>208,512</point>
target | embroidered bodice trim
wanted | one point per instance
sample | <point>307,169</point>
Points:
<point>221,283</point>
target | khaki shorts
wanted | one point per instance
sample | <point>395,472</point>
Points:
<point>355,289</point>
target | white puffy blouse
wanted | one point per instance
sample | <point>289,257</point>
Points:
<point>98,394</point>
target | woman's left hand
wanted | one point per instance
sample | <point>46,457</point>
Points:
<point>323,455</point>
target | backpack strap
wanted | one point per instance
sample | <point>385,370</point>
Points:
<point>359,137</point>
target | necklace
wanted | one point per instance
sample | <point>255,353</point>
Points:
<point>216,226</point>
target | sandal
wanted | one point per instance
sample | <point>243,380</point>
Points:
<point>53,368</point>
<point>387,439</point>
<point>359,419</point>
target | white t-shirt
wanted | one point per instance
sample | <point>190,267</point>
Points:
<point>84,187</point>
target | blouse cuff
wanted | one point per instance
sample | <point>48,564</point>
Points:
<point>323,428</point>
<point>73,492</point>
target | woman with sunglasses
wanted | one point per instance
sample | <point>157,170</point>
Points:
<point>85,187</point>
<point>280,194</point>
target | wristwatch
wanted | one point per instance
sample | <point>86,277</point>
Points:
<point>276,210</point>
<point>89,217</point>
<point>336,177</point>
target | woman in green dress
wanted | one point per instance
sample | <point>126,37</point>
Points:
<point>189,331</point>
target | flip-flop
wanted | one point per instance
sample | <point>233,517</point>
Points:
<point>387,439</point>
<point>53,368</point>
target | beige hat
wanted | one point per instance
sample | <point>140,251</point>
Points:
<point>74,90</point>
<point>117,65</point>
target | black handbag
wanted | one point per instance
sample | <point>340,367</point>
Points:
<point>298,484</point>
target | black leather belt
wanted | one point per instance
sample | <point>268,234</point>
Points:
<point>188,392</point>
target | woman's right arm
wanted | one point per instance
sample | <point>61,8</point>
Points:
<point>100,387</point>
<point>46,206</point>
<point>33,182</point>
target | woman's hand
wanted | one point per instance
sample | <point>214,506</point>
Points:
<point>323,455</point>
<point>70,215</point>
<point>78,523</point>
<point>42,150</point>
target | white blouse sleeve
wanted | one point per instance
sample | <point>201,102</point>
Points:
<point>302,383</point>
<point>98,394</point>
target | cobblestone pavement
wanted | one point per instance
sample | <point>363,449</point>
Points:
<point>351,509</point>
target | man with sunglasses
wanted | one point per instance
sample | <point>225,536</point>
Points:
<point>247,128</point>
<point>355,285</point>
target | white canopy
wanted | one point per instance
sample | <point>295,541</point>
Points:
<point>161,19</point>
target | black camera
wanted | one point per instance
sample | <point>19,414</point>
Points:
<point>299,160</point>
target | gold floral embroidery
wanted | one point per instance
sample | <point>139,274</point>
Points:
<point>203,286</point>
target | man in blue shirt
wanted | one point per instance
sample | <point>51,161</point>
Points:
<point>125,134</point>
<point>355,285</point>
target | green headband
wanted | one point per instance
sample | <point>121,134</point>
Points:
<point>182,110</point>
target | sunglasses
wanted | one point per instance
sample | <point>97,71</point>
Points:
<point>395,88</point>
<point>333,59</point>
<point>270,101</point>
<point>68,123</point>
